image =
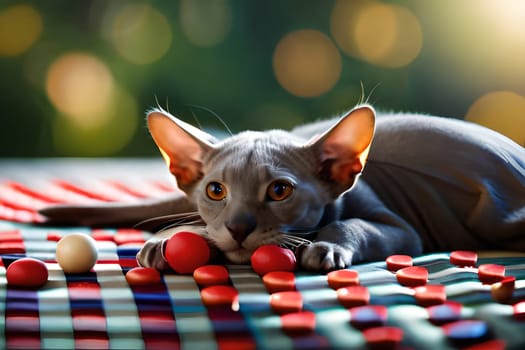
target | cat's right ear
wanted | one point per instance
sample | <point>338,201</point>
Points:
<point>182,146</point>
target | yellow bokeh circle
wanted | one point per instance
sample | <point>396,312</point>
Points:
<point>503,111</point>
<point>20,27</point>
<point>307,63</point>
<point>80,86</point>
<point>141,34</point>
<point>385,35</point>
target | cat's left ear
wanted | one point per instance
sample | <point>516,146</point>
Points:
<point>343,149</point>
<point>182,146</point>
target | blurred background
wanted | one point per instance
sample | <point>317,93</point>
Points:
<point>76,77</point>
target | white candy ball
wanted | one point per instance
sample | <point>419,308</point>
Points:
<point>76,253</point>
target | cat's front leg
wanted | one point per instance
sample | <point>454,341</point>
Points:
<point>152,253</point>
<point>341,243</point>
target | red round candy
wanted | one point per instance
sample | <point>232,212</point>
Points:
<point>463,258</point>
<point>298,322</point>
<point>209,275</point>
<point>352,296</point>
<point>397,262</point>
<point>491,273</point>
<point>27,273</point>
<point>279,281</point>
<point>143,276</point>
<point>268,258</point>
<point>430,294</point>
<point>383,337</point>
<point>286,302</point>
<point>186,251</point>
<point>342,278</point>
<point>412,276</point>
<point>220,296</point>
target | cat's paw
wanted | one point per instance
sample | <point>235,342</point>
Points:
<point>152,255</point>
<point>324,256</point>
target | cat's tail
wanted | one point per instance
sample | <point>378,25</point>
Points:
<point>115,214</point>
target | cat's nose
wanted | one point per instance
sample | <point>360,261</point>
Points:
<point>241,226</point>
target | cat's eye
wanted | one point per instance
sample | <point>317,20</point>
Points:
<point>279,190</point>
<point>216,191</point>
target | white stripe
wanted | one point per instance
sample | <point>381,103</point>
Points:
<point>56,322</point>
<point>122,317</point>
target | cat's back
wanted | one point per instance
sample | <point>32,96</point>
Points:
<point>451,179</point>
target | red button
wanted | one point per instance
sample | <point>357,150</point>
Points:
<point>412,276</point>
<point>463,258</point>
<point>27,272</point>
<point>220,296</point>
<point>343,278</point>
<point>286,302</point>
<point>383,337</point>
<point>186,251</point>
<point>298,322</point>
<point>209,275</point>
<point>430,294</point>
<point>397,262</point>
<point>368,316</point>
<point>491,273</point>
<point>353,296</point>
<point>268,258</point>
<point>279,281</point>
<point>143,276</point>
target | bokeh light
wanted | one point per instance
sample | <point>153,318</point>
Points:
<point>307,63</point>
<point>386,35</point>
<point>20,27</point>
<point>105,139</point>
<point>503,111</point>
<point>81,86</point>
<point>141,34</point>
<point>205,23</point>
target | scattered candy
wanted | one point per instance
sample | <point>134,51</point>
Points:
<point>397,262</point>
<point>186,251</point>
<point>491,273</point>
<point>279,281</point>
<point>298,322</point>
<point>449,311</point>
<point>463,258</point>
<point>286,302</point>
<point>352,296</point>
<point>143,276</point>
<point>76,253</point>
<point>27,273</point>
<point>502,291</point>
<point>210,275</point>
<point>412,276</point>
<point>383,337</point>
<point>220,296</point>
<point>368,316</point>
<point>268,258</point>
<point>430,294</point>
<point>343,278</point>
<point>466,331</point>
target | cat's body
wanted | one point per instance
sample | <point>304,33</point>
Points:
<point>430,184</point>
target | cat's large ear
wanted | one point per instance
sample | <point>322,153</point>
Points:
<point>182,146</point>
<point>343,149</point>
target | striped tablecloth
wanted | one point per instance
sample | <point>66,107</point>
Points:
<point>100,310</point>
